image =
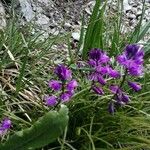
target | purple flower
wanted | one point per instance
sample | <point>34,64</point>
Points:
<point>5,125</point>
<point>50,100</point>
<point>120,96</point>
<point>113,73</point>
<point>102,69</point>
<point>71,85</point>
<point>125,98</point>
<point>114,88</point>
<point>63,72</point>
<point>132,59</point>
<point>135,70</point>
<point>93,76</point>
<point>135,86</point>
<point>101,80</point>
<point>119,99</point>
<point>95,54</point>
<point>98,90</point>
<point>92,63</point>
<point>65,97</point>
<point>134,51</point>
<point>55,85</point>
<point>98,56</point>
<point>104,58</point>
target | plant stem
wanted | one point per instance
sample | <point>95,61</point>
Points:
<point>63,90</point>
<point>121,84</point>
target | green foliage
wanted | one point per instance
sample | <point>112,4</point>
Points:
<point>104,31</point>
<point>94,20</point>
<point>26,62</point>
<point>100,33</point>
<point>44,131</point>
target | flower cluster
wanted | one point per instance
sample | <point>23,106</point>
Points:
<point>65,86</point>
<point>99,62</point>
<point>132,61</point>
<point>100,69</point>
<point>5,126</point>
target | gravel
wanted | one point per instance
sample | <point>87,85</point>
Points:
<point>59,16</point>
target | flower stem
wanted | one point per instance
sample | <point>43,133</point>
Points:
<point>63,90</point>
<point>121,83</point>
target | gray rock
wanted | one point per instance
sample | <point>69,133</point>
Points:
<point>41,13</point>
<point>2,16</point>
<point>131,16</point>
<point>27,10</point>
<point>126,6</point>
<point>76,36</point>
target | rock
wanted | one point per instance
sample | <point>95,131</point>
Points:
<point>26,9</point>
<point>67,24</point>
<point>76,36</point>
<point>126,6</point>
<point>40,13</point>
<point>131,16</point>
<point>2,16</point>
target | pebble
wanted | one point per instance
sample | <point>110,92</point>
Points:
<point>76,36</point>
<point>131,16</point>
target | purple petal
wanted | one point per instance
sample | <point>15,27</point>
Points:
<point>55,85</point>
<point>114,73</point>
<point>95,54</point>
<point>65,97</point>
<point>135,70</point>
<point>135,86</point>
<point>132,59</point>
<point>6,123</point>
<point>72,85</point>
<point>102,70</point>
<point>125,98</point>
<point>92,63</point>
<point>63,72</point>
<point>98,90</point>
<point>104,58</point>
<point>101,80</point>
<point>119,99</point>
<point>131,50</point>
<point>50,100</point>
<point>114,88</point>
<point>93,76</point>
<point>121,59</point>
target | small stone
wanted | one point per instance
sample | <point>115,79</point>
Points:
<point>76,36</point>
<point>67,24</point>
<point>139,12</point>
<point>131,16</point>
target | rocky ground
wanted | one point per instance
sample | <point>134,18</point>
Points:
<point>54,16</point>
<point>60,16</point>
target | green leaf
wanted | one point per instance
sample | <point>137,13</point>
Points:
<point>88,37</point>
<point>97,35</point>
<point>43,132</point>
<point>144,29</point>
